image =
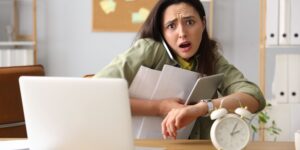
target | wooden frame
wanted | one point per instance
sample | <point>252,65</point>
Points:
<point>262,56</point>
<point>262,45</point>
<point>33,36</point>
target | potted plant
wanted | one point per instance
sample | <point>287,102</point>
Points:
<point>263,126</point>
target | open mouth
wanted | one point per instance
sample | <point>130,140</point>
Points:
<point>185,45</point>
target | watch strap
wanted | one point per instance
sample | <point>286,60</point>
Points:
<point>210,106</point>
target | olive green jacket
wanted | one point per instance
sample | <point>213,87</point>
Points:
<point>152,54</point>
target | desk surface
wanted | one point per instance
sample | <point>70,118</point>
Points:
<point>199,144</point>
<point>207,145</point>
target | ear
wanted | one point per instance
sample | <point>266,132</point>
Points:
<point>204,21</point>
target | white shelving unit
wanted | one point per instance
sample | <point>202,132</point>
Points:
<point>265,49</point>
<point>17,43</point>
<point>285,114</point>
<point>26,45</point>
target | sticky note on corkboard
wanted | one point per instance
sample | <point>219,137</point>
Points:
<point>120,15</point>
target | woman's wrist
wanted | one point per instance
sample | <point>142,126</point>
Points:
<point>202,108</point>
<point>210,106</point>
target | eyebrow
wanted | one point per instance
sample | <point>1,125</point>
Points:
<point>175,19</point>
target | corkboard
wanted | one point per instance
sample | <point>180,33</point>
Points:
<point>120,18</point>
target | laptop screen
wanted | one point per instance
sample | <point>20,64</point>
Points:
<point>76,113</point>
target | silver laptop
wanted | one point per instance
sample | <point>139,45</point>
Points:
<point>76,113</point>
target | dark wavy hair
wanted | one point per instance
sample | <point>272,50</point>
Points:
<point>152,28</point>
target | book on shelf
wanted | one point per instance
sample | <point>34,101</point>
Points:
<point>171,82</point>
<point>16,57</point>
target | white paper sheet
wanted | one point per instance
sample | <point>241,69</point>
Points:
<point>173,82</point>
<point>142,87</point>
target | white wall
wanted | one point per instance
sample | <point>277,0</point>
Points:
<point>236,27</point>
<point>68,47</point>
<point>5,18</point>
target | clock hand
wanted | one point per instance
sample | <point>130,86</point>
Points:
<point>235,132</point>
<point>233,129</point>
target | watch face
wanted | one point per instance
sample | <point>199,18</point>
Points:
<point>230,132</point>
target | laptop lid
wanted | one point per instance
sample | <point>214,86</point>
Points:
<point>76,113</point>
<point>204,88</point>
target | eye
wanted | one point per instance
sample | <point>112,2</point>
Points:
<point>171,26</point>
<point>190,22</point>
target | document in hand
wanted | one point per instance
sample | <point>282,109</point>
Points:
<point>142,87</point>
<point>170,82</point>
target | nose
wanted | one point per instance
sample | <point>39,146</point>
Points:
<point>181,31</point>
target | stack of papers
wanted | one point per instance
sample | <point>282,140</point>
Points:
<point>154,85</point>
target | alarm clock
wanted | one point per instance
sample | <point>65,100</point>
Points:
<point>230,131</point>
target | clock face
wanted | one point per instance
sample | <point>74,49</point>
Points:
<point>230,133</point>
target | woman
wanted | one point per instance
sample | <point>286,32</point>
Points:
<point>182,25</point>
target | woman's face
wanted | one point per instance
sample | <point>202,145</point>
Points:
<point>182,29</point>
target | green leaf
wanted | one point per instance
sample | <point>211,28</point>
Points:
<point>270,126</point>
<point>275,132</point>
<point>254,128</point>
<point>273,123</point>
<point>262,119</point>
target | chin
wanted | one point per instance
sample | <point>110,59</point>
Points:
<point>186,57</point>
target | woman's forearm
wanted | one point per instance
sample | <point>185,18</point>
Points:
<point>159,107</point>
<point>144,107</point>
<point>178,118</point>
<point>233,101</point>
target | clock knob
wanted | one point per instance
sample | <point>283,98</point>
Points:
<point>243,113</point>
<point>218,113</point>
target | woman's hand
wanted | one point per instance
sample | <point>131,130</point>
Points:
<point>166,105</point>
<point>180,117</point>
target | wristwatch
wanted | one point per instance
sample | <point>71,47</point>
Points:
<point>210,106</point>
